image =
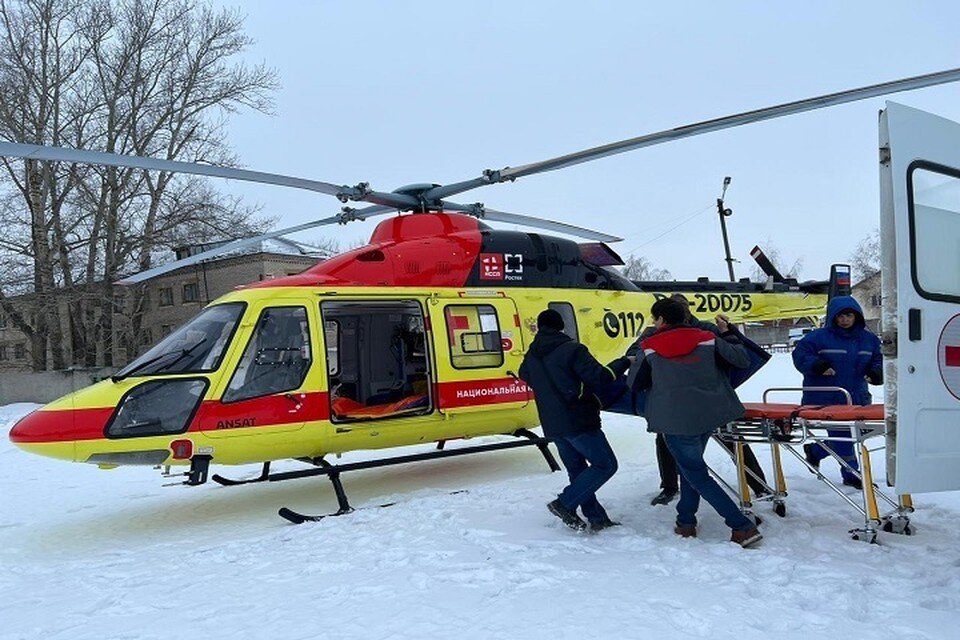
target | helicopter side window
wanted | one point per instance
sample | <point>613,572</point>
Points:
<point>474,333</point>
<point>331,335</point>
<point>565,309</point>
<point>277,357</point>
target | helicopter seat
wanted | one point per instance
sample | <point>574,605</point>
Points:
<point>344,407</point>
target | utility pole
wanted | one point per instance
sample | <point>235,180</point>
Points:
<point>724,213</point>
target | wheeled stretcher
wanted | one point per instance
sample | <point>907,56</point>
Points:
<point>788,427</point>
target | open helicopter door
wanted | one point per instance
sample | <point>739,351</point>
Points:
<point>479,348</point>
<point>920,245</point>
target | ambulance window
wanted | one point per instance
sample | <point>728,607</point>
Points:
<point>935,233</point>
<point>276,358</point>
<point>565,309</point>
<point>474,335</point>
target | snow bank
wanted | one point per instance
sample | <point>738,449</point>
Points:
<point>86,553</point>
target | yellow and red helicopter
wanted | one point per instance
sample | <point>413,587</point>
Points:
<point>414,338</point>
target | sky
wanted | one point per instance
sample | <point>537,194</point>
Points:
<point>411,92</point>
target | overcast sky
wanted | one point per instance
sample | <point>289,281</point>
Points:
<point>406,92</point>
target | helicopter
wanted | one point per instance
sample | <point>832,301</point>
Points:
<point>414,338</point>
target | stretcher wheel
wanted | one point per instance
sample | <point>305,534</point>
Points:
<point>864,536</point>
<point>891,527</point>
<point>780,509</point>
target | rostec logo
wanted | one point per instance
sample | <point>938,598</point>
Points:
<point>514,266</point>
<point>491,266</point>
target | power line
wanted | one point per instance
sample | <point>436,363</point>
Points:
<point>673,228</point>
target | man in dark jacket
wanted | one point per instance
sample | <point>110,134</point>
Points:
<point>667,466</point>
<point>845,354</point>
<point>559,370</point>
<point>689,397</point>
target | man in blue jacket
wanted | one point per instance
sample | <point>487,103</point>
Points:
<point>560,370</point>
<point>845,354</point>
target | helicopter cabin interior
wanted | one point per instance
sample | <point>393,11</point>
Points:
<point>376,359</point>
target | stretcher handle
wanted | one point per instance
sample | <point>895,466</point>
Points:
<point>836,389</point>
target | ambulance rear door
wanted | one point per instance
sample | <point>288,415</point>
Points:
<point>920,243</point>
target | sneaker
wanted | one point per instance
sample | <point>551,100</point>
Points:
<point>685,530</point>
<point>570,518</point>
<point>664,497</point>
<point>856,483</point>
<point>746,538</point>
<point>603,524</point>
<point>812,460</point>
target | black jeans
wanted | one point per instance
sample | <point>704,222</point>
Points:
<point>670,475</point>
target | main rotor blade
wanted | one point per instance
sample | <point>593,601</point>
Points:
<point>340,218</point>
<point>529,221</point>
<point>60,154</point>
<point>757,115</point>
<point>686,131</point>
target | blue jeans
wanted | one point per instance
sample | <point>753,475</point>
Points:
<point>842,449</point>
<point>695,481</point>
<point>589,462</point>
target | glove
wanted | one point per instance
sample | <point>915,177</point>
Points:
<point>875,377</point>
<point>820,366</point>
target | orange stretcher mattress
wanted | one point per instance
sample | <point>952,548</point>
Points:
<point>786,411</point>
<point>770,410</point>
<point>349,408</point>
<point>844,413</point>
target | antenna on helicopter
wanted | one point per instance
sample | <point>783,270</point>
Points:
<point>724,213</point>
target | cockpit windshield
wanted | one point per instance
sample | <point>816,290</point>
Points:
<point>196,347</point>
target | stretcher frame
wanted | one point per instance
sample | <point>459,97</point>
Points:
<point>794,430</point>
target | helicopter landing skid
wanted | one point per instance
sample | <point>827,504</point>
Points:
<point>229,482</point>
<point>333,472</point>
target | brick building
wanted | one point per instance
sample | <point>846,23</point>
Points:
<point>172,298</point>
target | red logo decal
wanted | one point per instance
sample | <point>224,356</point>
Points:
<point>506,344</point>
<point>491,266</point>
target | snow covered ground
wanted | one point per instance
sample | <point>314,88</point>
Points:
<point>86,553</point>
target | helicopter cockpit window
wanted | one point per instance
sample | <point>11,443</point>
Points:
<point>565,309</point>
<point>158,407</point>
<point>196,347</point>
<point>475,340</point>
<point>277,357</point>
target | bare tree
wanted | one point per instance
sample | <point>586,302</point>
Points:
<point>639,268</point>
<point>142,77</point>
<point>865,260</point>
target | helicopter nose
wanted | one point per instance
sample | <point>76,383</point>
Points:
<point>48,433</point>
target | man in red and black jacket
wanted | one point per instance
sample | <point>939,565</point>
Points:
<point>690,395</point>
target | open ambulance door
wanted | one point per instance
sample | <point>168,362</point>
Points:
<point>920,245</point>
